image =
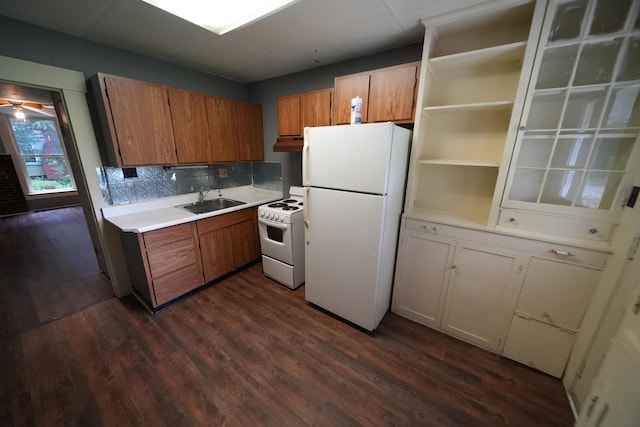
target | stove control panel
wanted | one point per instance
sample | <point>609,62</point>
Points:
<point>270,216</point>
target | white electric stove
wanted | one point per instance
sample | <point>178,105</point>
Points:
<point>281,225</point>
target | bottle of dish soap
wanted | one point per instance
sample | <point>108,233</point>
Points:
<point>356,111</point>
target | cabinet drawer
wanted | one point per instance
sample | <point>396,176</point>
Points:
<point>226,220</point>
<point>579,228</point>
<point>176,283</point>
<point>539,345</point>
<point>556,292</point>
<point>167,235</point>
<point>171,257</point>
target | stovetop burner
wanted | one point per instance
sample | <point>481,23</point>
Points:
<point>278,205</point>
<point>289,201</point>
<point>290,208</point>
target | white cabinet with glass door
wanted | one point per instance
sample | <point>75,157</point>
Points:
<point>577,140</point>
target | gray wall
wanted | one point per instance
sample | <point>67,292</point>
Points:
<point>266,92</point>
<point>36,44</point>
<point>52,48</point>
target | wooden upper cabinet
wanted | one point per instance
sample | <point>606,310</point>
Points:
<point>346,88</point>
<point>190,126</point>
<point>236,130</point>
<point>388,94</point>
<point>315,108</point>
<point>392,94</point>
<point>289,119</point>
<point>139,119</point>
<point>220,112</point>
<point>250,132</point>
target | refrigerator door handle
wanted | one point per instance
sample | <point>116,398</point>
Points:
<point>305,193</point>
<point>305,155</point>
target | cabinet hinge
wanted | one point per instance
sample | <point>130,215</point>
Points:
<point>581,368</point>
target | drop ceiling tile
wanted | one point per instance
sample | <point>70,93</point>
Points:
<point>308,21</point>
<point>142,28</point>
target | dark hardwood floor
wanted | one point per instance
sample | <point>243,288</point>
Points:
<point>244,352</point>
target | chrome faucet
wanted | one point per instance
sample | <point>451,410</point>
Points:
<point>202,194</point>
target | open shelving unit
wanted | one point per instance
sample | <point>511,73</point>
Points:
<point>470,80</point>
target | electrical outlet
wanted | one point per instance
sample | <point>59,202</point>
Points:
<point>222,173</point>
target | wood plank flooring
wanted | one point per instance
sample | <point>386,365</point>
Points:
<point>249,352</point>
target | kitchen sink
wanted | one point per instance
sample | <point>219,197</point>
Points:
<point>210,205</point>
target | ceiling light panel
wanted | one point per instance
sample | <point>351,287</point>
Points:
<point>221,16</point>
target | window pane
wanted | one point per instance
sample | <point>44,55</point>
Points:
<point>568,20</point>
<point>561,187</point>
<point>608,17</point>
<point>535,151</point>
<point>48,173</point>
<point>630,68</point>
<point>36,136</point>
<point>624,108</point>
<point>596,62</point>
<point>526,185</point>
<point>612,153</point>
<point>599,190</point>
<point>583,109</point>
<point>556,67</point>
<point>571,152</point>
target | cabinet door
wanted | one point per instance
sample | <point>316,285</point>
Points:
<point>345,89</point>
<point>289,120</point>
<point>556,292</point>
<point>250,144</point>
<point>481,294</point>
<point>246,243</point>
<point>539,345</point>
<point>316,108</point>
<point>576,150</point>
<point>423,270</point>
<point>190,126</point>
<point>141,121</point>
<point>222,128</point>
<point>216,248</point>
<point>392,94</point>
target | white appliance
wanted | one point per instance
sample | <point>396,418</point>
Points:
<point>282,239</point>
<point>354,179</point>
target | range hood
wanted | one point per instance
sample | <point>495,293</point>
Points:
<point>289,144</point>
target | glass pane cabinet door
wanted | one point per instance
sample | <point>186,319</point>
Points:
<point>582,120</point>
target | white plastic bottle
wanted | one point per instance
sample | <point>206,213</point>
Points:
<point>356,111</point>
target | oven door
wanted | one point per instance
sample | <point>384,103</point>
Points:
<point>276,240</point>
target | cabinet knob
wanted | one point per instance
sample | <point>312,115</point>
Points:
<point>453,266</point>
<point>593,230</point>
<point>523,127</point>
<point>512,220</point>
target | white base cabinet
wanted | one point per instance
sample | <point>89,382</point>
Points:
<point>554,298</point>
<point>464,289</point>
<point>519,297</point>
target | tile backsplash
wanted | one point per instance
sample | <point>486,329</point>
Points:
<point>120,186</point>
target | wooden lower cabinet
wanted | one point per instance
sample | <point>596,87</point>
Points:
<point>228,242</point>
<point>167,263</point>
<point>514,296</point>
<point>163,264</point>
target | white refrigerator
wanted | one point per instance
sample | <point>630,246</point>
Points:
<point>354,179</point>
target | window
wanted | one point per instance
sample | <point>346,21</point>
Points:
<point>44,161</point>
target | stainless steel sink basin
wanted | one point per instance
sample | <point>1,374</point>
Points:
<point>211,205</point>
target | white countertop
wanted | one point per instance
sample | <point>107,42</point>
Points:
<point>140,217</point>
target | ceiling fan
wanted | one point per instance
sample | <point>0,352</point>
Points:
<point>18,106</point>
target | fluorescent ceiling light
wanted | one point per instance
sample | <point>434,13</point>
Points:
<point>221,16</point>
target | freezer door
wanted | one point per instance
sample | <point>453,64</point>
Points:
<point>343,246</point>
<point>352,158</point>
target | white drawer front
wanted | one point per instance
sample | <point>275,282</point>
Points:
<point>579,228</point>
<point>541,346</point>
<point>556,292</point>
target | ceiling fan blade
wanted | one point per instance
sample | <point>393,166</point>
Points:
<point>39,110</point>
